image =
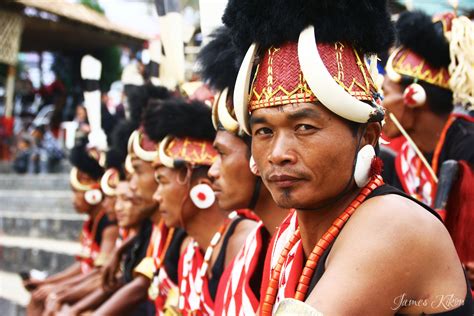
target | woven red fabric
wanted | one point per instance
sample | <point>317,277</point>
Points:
<point>279,79</point>
<point>460,213</point>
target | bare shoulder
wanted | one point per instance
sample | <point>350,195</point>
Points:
<point>243,229</point>
<point>390,247</point>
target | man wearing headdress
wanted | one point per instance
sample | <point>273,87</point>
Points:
<point>236,182</point>
<point>428,92</point>
<point>353,246</point>
<point>97,237</point>
<point>186,199</point>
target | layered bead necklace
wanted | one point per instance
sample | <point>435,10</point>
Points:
<point>316,253</point>
<point>205,265</point>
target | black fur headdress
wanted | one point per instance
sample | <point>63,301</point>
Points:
<point>219,60</point>
<point>363,23</point>
<point>417,32</point>
<point>81,159</point>
<point>139,97</point>
<point>179,118</point>
<point>118,148</point>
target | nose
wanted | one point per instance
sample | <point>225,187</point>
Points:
<point>133,182</point>
<point>281,152</point>
<point>213,171</point>
<point>157,197</point>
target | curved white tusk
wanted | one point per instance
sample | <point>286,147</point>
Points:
<point>166,160</point>
<point>75,183</point>
<point>242,89</point>
<point>391,73</point>
<point>102,159</point>
<point>229,123</point>
<point>328,91</point>
<point>141,153</point>
<point>131,139</point>
<point>215,118</point>
<point>104,182</point>
<point>128,164</point>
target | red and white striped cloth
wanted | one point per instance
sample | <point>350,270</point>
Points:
<point>413,175</point>
<point>234,295</point>
<point>189,278</point>
<point>288,277</point>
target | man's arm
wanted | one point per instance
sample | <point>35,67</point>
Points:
<point>79,291</point>
<point>109,270</point>
<point>88,303</point>
<point>391,256</point>
<point>126,299</point>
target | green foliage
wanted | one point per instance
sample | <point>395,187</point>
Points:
<point>93,4</point>
<point>111,69</point>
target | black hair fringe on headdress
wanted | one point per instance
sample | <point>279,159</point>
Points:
<point>118,147</point>
<point>365,24</point>
<point>139,97</point>
<point>219,60</point>
<point>179,118</point>
<point>81,159</point>
<point>417,32</point>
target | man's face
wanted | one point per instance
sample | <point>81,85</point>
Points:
<point>80,204</point>
<point>393,103</point>
<point>127,215</point>
<point>304,153</point>
<point>233,183</point>
<point>109,205</point>
<point>170,195</point>
<point>79,201</point>
<point>143,185</point>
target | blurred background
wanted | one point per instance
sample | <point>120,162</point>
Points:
<point>42,43</point>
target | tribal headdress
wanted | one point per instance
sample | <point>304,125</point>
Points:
<point>184,131</point>
<point>82,160</point>
<point>308,51</point>
<point>436,51</point>
<point>219,63</point>
<point>139,144</point>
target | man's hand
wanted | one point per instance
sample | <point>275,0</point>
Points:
<point>109,271</point>
<point>42,292</point>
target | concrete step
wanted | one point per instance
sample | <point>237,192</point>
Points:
<point>25,253</point>
<point>10,308</point>
<point>13,296</point>
<point>34,182</point>
<point>57,201</point>
<point>41,224</point>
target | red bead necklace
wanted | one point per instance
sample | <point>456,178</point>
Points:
<point>318,250</point>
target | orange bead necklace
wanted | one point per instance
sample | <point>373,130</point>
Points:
<point>318,250</point>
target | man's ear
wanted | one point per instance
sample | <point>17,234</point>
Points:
<point>372,134</point>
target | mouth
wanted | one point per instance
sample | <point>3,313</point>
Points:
<point>283,181</point>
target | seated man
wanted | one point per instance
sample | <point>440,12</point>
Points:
<point>97,239</point>
<point>424,93</point>
<point>353,246</point>
<point>186,200</point>
<point>236,183</point>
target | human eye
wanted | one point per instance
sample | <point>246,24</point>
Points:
<point>305,128</point>
<point>263,131</point>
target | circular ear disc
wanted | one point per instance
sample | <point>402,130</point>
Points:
<point>202,196</point>
<point>414,95</point>
<point>363,163</point>
<point>93,197</point>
